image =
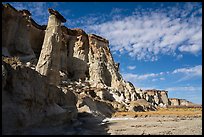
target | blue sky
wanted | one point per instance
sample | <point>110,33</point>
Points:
<point>158,45</point>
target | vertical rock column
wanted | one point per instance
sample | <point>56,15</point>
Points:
<point>164,97</point>
<point>49,60</point>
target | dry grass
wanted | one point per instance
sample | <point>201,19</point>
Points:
<point>163,112</point>
<point>11,60</point>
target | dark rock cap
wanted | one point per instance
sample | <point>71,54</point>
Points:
<point>57,14</point>
<point>24,11</point>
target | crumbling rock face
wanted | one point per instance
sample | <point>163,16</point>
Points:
<point>180,102</point>
<point>97,107</point>
<point>49,60</point>
<point>77,56</point>
<point>174,101</point>
<point>141,105</point>
<point>19,36</point>
<point>104,72</point>
<point>29,101</point>
<point>157,97</point>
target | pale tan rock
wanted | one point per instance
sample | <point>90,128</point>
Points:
<point>157,97</point>
<point>15,34</point>
<point>49,60</point>
<point>164,97</point>
<point>29,101</point>
<point>174,101</point>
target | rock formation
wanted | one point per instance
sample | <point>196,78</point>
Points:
<point>51,72</point>
<point>157,97</point>
<point>180,102</point>
<point>49,60</point>
<point>23,37</point>
<point>28,100</point>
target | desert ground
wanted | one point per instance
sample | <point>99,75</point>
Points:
<point>171,121</point>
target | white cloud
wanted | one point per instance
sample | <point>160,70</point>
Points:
<point>136,77</point>
<point>184,88</point>
<point>182,74</point>
<point>154,79</point>
<point>190,48</point>
<point>162,78</point>
<point>191,71</point>
<point>145,35</point>
<point>131,67</point>
<point>180,56</point>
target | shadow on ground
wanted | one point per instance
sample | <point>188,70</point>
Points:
<point>85,124</point>
<point>91,125</point>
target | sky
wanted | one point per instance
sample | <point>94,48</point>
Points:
<point>158,44</point>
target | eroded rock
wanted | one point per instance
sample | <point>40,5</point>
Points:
<point>28,100</point>
<point>49,60</point>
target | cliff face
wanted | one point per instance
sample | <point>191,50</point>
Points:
<point>157,97</point>
<point>49,60</point>
<point>62,71</point>
<point>28,100</point>
<point>180,102</point>
<point>20,37</point>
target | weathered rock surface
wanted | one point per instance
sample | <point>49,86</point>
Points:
<point>49,60</point>
<point>28,100</point>
<point>20,36</point>
<point>180,102</point>
<point>157,97</point>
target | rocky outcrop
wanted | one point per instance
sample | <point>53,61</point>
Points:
<point>19,36</point>
<point>180,102</point>
<point>49,60</point>
<point>77,54</point>
<point>141,105</point>
<point>103,71</point>
<point>174,101</point>
<point>28,100</point>
<point>157,97</point>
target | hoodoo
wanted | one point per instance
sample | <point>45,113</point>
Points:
<point>49,61</point>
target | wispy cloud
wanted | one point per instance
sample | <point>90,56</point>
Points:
<point>146,34</point>
<point>184,88</point>
<point>133,77</point>
<point>183,74</point>
<point>189,72</point>
<point>131,67</point>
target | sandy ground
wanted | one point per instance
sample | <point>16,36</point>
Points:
<point>160,125</point>
<point>170,122</point>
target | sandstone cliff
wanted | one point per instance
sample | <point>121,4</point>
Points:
<point>180,102</point>
<point>28,100</point>
<point>20,37</point>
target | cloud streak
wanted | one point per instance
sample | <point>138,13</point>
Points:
<point>131,67</point>
<point>136,77</point>
<point>184,88</point>
<point>189,73</point>
<point>182,74</point>
<point>147,34</point>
